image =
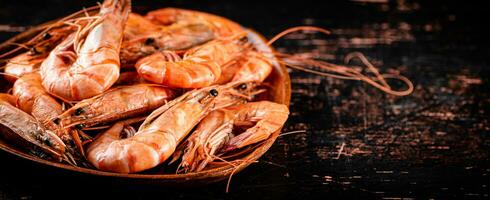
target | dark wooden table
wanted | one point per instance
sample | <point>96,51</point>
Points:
<point>358,142</point>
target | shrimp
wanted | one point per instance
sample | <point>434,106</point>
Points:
<point>254,65</point>
<point>33,99</point>
<point>86,64</point>
<point>214,135</point>
<point>115,104</point>
<point>206,140</point>
<point>31,61</point>
<point>142,29</point>
<point>222,27</point>
<point>172,39</point>
<point>20,127</point>
<point>172,29</point>
<point>143,38</point>
<point>200,66</point>
<point>159,134</point>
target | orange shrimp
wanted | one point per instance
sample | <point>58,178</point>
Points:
<point>172,29</point>
<point>115,104</point>
<point>221,26</point>
<point>205,141</point>
<point>159,134</point>
<point>173,38</point>
<point>21,128</point>
<point>200,66</point>
<point>214,135</point>
<point>170,37</point>
<point>33,99</point>
<point>31,61</point>
<point>254,65</point>
<point>87,63</point>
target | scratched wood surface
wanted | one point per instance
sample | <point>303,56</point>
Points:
<point>357,141</point>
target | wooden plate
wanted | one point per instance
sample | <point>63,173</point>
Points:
<point>280,92</point>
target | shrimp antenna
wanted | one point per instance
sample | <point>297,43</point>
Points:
<point>45,29</point>
<point>291,132</point>
<point>326,69</point>
<point>344,72</point>
<point>368,64</point>
<point>20,45</point>
<point>296,29</point>
<point>234,171</point>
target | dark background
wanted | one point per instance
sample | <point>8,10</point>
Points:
<point>431,144</point>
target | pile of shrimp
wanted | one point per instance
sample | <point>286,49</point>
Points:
<point>123,92</point>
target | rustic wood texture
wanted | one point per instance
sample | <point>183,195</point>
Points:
<point>358,142</point>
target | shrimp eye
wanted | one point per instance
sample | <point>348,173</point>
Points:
<point>56,120</point>
<point>46,36</point>
<point>78,111</point>
<point>79,126</point>
<point>149,41</point>
<point>48,142</point>
<point>213,92</point>
<point>242,86</point>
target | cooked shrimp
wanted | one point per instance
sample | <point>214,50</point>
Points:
<point>115,104</point>
<point>221,26</point>
<point>172,29</point>
<point>173,38</point>
<point>33,99</point>
<point>170,37</point>
<point>206,140</point>
<point>255,64</point>
<point>267,116</point>
<point>159,134</point>
<point>87,63</point>
<point>200,66</point>
<point>20,127</point>
<point>214,135</point>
